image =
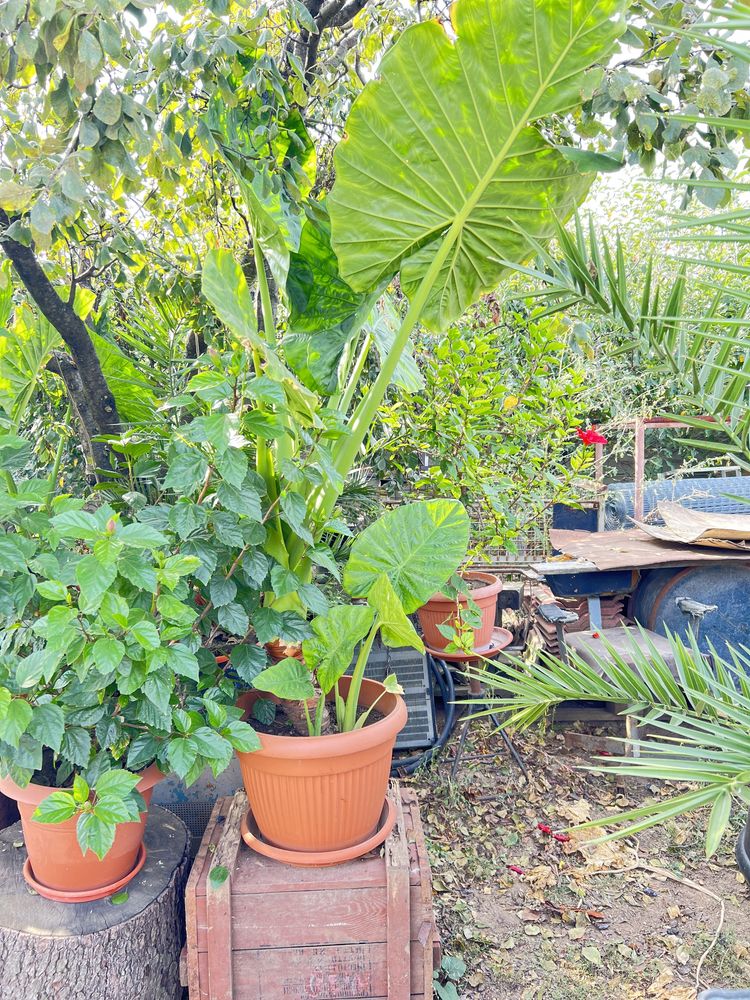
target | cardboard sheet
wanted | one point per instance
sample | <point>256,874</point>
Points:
<point>698,527</point>
<point>632,549</point>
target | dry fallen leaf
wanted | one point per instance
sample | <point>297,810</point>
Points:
<point>612,854</point>
<point>592,954</point>
<point>662,980</point>
<point>576,812</point>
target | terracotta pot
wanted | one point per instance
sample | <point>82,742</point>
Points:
<point>441,610</point>
<point>323,793</point>
<point>55,856</point>
<point>279,649</point>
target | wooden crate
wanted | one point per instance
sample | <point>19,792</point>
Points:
<point>363,930</point>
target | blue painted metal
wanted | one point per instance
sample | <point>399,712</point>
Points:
<point>586,584</point>
<point>727,585</point>
<point>725,995</point>
<point>594,584</point>
<point>575,518</point>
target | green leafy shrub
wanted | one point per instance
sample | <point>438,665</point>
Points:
<point>101,666</point>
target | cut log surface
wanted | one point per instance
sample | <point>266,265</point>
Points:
<point>98,950</point>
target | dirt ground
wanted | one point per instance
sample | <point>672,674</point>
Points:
<point>625,920</point>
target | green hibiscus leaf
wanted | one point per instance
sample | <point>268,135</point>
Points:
<point>95,834</point>
<point>116,782</point>
<point>242,736</point>
<point>55,808</point>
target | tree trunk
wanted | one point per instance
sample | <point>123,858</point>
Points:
<point>97,951</point>
<point>94,403</point>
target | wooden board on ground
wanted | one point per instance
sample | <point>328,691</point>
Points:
<point>363,930</point>
<point>96,950</point>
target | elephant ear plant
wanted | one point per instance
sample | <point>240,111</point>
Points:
<point>444,177</point>
<point>101,672</point>
<point>394,566</point>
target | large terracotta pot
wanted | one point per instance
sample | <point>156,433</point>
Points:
<point>441,610</point>
<point>323,793</point>
<point>55,857</point>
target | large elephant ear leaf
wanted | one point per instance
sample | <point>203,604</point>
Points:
<point>444,174</point>
<point>417,546</point>
<point>325,314</point>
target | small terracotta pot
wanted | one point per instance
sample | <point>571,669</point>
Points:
<point>441,610</point>
<point>323,793</point>
<point>55,856</point>
<point>279,649</point>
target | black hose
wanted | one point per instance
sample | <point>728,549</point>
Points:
<point>441,673</point>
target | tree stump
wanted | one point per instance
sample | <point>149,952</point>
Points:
<point>98,950</point>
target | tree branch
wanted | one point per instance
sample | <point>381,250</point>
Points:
<point>95,403</point>
<point>335,13</point>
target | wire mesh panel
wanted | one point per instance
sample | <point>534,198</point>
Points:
<point>714,495</point>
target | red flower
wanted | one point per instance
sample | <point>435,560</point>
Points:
<point>591,436</point>
<point>544,828</point>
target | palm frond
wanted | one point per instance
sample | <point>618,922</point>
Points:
<point>698,714</point>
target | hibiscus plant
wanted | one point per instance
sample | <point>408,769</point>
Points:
<point>102,670</point>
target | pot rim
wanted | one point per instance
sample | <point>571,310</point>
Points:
<point>336,744</point>
<point>33,794</point>
<point>494,584</point>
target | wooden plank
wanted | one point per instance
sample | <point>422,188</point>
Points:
<point>593,744</point>
<point>320,917</point>
<point>398,905</point>
<point>426,933</point>
<point>348,972</point>
<point>260,875</point>
<point>195,882</point>
<point>219,904</point>
<point>340,916</point>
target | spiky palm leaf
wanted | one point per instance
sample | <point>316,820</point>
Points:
<point>700,718</point>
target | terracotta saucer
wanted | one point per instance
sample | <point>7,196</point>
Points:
<point>84,895</point>
<point>501,637</point>
<point>318,859</point>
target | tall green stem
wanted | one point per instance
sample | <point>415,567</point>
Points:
<point>346,399</point>
<point>264,455</point>
<point>363,416</point>
<point>352,698</point>
<point>56,464</point>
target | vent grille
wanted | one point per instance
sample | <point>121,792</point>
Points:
<point>413,675</point>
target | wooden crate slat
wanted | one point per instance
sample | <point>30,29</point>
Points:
<point>219,904</point>
<point>320,917</point>
<point>346,972</point>
<point>257,877</point>
<point>363,930</point>
<point>426,933</point>
<point>196,882</point>
<point>398,944</point>
<point>338,916</point>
